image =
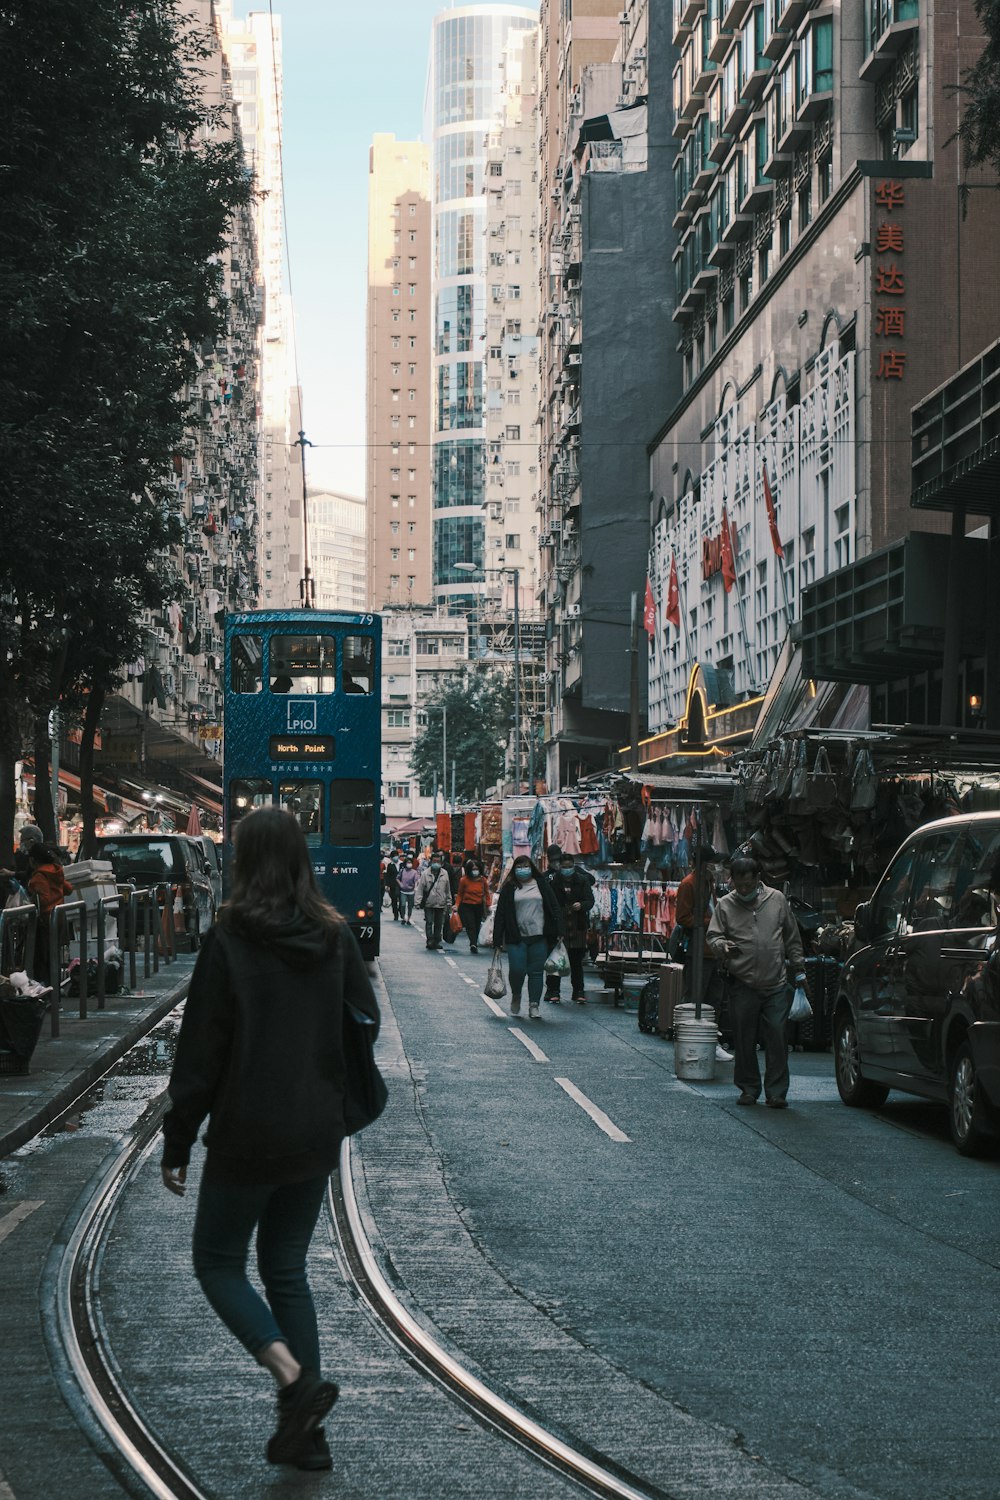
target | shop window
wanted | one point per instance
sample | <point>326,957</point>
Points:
<point>304,800</point>
<point>303,663</point>
<point>245,664</point>
<point>352,814</point>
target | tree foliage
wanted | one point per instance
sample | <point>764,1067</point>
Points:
<point>117,186</point>
<point>480,703</point>
<point>979,91</point>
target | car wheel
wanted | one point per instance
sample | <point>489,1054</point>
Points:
<point>856,1091</point>
<point>963,1105</point>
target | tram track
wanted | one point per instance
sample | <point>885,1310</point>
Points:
<point>141,1459</point>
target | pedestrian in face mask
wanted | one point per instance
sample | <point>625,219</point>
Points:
<point>433,898</point>
<point>529,923</point>
<point>756,940</point>
<point>473,901</point>
<point>575,894</point>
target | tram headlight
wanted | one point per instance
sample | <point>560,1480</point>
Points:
<point>362,912</point>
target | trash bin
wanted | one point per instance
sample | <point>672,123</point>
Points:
<point>20,1026</point>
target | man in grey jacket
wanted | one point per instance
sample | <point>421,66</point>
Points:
<point>433,898</point>
<point>755,938</point>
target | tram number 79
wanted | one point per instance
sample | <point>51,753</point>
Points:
<point>366,932</point>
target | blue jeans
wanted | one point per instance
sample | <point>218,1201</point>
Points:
<point>527,959</point>
<point>284,1217</point>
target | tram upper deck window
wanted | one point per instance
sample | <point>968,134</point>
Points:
<point>245,661</point>
<point>245,796</point>
<point>359,663</point>
<point>303,664</point>
<point>352,814</point>
<point>304,800</point>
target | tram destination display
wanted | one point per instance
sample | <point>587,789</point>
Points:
<point>302,747</point>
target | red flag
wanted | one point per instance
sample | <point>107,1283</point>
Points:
<point>649,611</point>
<point>672,613</point>
<point>728,560</point>
<point>772,519</point>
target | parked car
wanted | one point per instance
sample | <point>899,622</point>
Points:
<point>147,859</point>
<point>918,1006</point>
<point>213,864</point>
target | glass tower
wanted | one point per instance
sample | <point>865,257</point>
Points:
<point>463,95</point>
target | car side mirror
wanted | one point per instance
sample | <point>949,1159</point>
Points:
<point>863,921</point>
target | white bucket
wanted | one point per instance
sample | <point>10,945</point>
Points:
<point>684,1013</point>
<point>694,1050</point>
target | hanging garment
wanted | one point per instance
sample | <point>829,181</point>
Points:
<point>719,841</point>
<point>588,835</point>
<point>567,833</point>
<point>536,828</point>
<point>519,834</point>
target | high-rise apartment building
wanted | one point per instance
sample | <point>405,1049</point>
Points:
<point>822,268</point>
<point>253,49</point>
<point>399,375</point>
<point>463,97</point>
<point>337,551</point>
<point>422,650</point>
<point>608,360</point>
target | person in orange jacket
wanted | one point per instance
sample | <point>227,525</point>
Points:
<point>473,901</point>
<point>49,886</point>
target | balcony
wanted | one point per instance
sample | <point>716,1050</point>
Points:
<point>686,12</point>
<point>779,164</point>
<point>790,13</point>
<point>681,220</point>
<point>776,43</point>
<point>754,84</point>
<point>720,44</point>
<point>693,104</point>
<point>894,39</point>
<point>721,147</point>
<point>732,121</point>
<point>736,228</point>
<point>794,133</point>
<point>813,104</point>
<point>720,254</point>
<point>733,14</point>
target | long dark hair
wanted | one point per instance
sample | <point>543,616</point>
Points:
<point>511,879</point>
<point>273,877</point>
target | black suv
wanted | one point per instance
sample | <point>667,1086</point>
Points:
<point>918,1006</point>
<point>147,859</point>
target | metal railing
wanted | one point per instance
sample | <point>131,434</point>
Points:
<point>18,916</point>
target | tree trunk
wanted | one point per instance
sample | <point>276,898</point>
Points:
<point>44,814</point>
<point>91,721</point>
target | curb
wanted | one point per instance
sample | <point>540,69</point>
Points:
<point>67,1094</point>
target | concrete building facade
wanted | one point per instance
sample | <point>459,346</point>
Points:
<point>399,374</point>
<point>607,356</point>
<point>253,50</point>
<point>421,649</point>
<point>462,101</point>
<point>819,272</point>
<point>337,550</point>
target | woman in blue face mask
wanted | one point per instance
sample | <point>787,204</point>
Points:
<point>528,923</point>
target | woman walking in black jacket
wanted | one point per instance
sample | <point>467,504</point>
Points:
<point>261,1054</point>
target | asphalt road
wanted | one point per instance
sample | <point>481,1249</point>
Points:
<point>723,1302</point>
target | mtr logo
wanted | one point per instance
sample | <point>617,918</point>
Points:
<point>301,715</point>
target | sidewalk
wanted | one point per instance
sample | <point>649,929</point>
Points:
<point>63,1069</point>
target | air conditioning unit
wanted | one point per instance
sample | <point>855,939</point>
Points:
<point>572,611</point>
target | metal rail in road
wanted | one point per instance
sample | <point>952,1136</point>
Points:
<point>140,1458</point>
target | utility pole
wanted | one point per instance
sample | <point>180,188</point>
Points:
<point>54,731</point>
<point>633,690</point>
<point>444,757</point>
<point>307,587</point>
<point>517,682</point>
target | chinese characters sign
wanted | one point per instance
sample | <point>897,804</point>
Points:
<point>889,281</point>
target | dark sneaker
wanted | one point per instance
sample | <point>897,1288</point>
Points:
<point>473,948</point>
<point>747,1099</point>
<point>776,1103</point>
<point>515,1005</point>
<point>579,1000</point>
<point>533,1010</point>
<point>301,1408</point>
<point>317,1458</point>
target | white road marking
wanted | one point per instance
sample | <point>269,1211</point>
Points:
<point>449,960</point>
<point>535,1051</point>
<point>494,1007</point>
<point>6,1493</point>
<point>473,982</point>
<point>9,1223</point>
<point>600,1119</point>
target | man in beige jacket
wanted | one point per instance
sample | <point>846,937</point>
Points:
<point>755,939</point>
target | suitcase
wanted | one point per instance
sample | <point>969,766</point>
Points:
<point>671,979</point>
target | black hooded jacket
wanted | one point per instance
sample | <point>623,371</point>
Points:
<point>261,1053</point>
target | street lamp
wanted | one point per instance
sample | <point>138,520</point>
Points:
<point>515,573</point>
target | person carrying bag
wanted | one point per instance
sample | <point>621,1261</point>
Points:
<point>528,922</point>
<point>472,901</point>
<point>275,1049</point>
<point>433,898</point>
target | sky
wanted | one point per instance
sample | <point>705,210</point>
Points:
<point>350,70</point>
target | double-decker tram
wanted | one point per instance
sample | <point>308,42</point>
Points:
<point>302,729</point>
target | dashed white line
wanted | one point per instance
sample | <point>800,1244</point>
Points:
<point>532,1047</point>
<point>10,1221</point>
<point>473,982</point>
<point>600,1119</point>
<point>449,960</point>
<point>494,1007</point>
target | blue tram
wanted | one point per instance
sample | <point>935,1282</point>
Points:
<point>302,728</point>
